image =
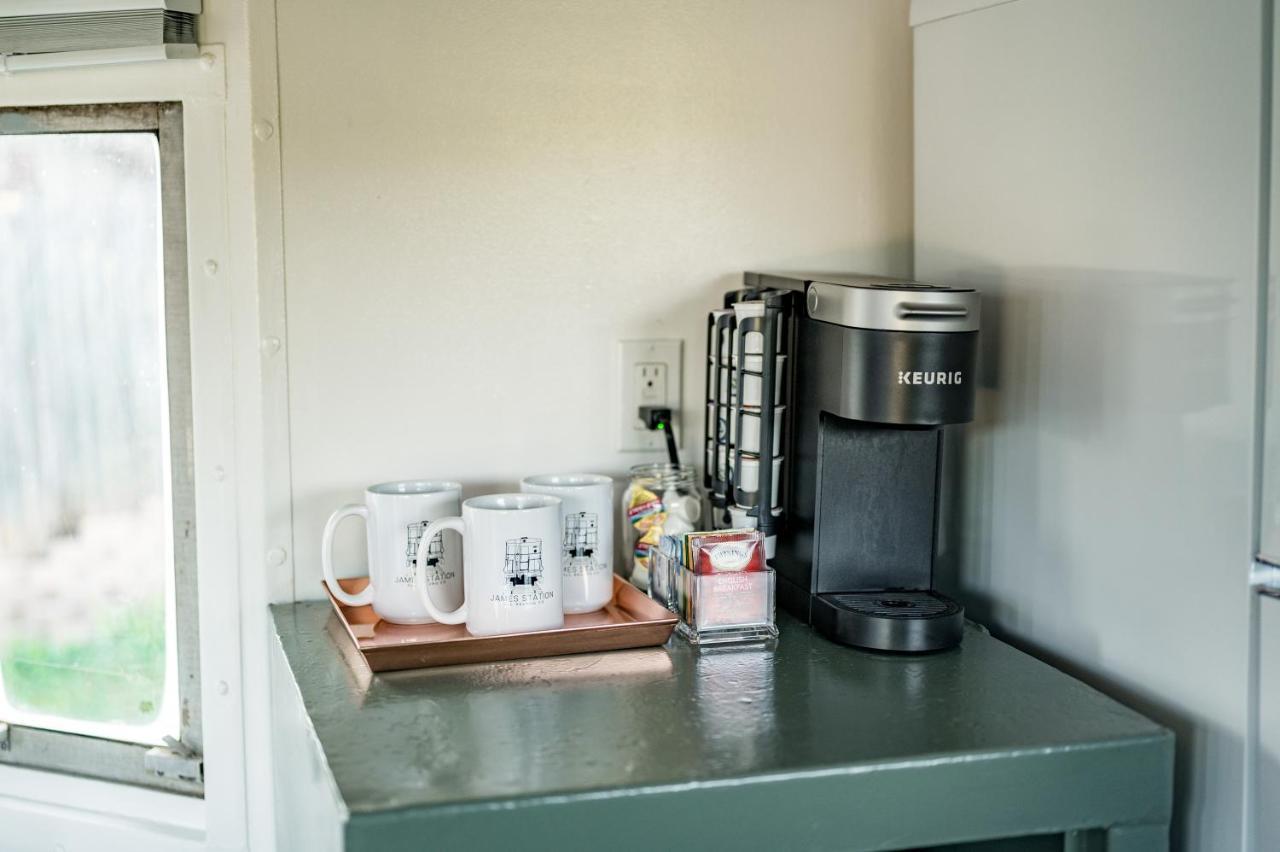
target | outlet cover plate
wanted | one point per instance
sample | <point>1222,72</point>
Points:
<point>632,436</point>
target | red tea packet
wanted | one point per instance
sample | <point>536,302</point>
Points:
<point>725,551</point>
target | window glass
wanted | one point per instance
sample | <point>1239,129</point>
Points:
<point>86,617</point>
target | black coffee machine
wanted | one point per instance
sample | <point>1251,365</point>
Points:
<point>860,373</point>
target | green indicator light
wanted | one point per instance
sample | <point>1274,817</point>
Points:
<point>662,426</point>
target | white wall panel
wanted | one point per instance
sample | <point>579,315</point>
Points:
<point>1093,168</point>
<point>1268,815</point>
<point>481,198</point>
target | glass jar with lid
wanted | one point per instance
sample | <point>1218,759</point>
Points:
<point>661,499</point>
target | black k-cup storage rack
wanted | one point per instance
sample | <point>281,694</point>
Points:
<point>748,384</point>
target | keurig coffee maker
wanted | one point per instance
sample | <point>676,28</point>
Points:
<point>859,374</point>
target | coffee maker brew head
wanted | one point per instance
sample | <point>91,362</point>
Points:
<point>905,351</point>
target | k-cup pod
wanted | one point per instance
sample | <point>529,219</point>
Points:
<point>750,442</point>
<point>746,478</point>
<point>753,385</point>
<point>754,339</point>
<point>720,423</point>
<point>723,460</point>
<point>728,393</point>
<point>755,363</point>
<point>741,519</point>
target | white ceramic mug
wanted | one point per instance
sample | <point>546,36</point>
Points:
<point>586,544</point>
<point>511,565</point>
<point>396,515</point>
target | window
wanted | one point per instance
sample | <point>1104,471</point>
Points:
<point>98,635</point>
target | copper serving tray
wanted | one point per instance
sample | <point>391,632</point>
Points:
<point>630,620</point>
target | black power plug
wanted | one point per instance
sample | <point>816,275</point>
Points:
<point>658,418</point>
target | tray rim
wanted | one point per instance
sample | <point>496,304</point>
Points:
<point>564,640</point>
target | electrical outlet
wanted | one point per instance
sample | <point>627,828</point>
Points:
<point>651,385</point>
<point>649,374</point>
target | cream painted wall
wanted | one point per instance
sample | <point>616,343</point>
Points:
<point>481,198</point>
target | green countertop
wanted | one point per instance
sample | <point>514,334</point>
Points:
<point>808,745</point>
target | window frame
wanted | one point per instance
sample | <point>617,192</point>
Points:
<point>116,760</point>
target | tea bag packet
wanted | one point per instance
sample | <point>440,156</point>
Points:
<point>725,551</point>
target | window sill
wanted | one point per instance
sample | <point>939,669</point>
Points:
<point>80,813</point>
<point>112,56</point>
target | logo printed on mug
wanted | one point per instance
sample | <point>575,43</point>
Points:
<point>581,544</point>
<point>437,572</point>
<point>522,566</point>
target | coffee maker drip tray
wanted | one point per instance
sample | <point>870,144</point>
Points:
<point>901,621</point>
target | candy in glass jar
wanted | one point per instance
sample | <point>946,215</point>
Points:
<point>661,499</point>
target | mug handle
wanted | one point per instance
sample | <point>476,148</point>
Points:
<point>459,615</point>
<point>365,595</point>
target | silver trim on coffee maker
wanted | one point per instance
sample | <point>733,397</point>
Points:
<point>892,304</point>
